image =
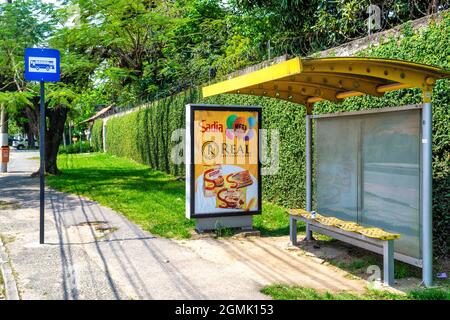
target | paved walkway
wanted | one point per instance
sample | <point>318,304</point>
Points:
<point>93,252</point>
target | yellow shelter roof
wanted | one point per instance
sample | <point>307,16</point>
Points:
<point>309,80</point>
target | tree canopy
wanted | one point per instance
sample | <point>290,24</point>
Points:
<point>125,52</point>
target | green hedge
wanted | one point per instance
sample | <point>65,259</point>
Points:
<point>145,135</point>
<point>97,136</point>
<point>76,147</point>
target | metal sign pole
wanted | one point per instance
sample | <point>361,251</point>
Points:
<point>42,168</point>
<point>43,65</point>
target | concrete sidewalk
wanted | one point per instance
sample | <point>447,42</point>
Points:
<point>93,252</point>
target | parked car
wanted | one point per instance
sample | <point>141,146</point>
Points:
<point>22,143</point>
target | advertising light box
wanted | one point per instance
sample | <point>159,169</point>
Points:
<point>223,172</point>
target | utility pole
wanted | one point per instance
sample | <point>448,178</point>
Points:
<point>4,137</point>
<point>4,130</point>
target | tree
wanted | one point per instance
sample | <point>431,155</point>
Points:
<point>29,23</point>
<point>148,50</point>
<point>59,101</point>
<point>127,39</point>
<point>13,103</point>
<point>306,26</point>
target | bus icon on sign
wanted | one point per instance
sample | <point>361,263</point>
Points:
<point>42,64</point>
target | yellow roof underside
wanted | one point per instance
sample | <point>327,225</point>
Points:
<point>308,80</point>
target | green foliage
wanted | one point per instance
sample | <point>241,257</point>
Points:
<point>303,27</point>
<point>15,100</point>
<point>97,135</point>
<point>285,292</point>
<point>21,27</point>
<point>60,95</point>
<point>77,147</point>
<point>430,294</point>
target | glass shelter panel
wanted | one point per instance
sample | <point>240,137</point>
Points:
<point>336,165</point>
<point>367,170</point>
<point>391,176</point>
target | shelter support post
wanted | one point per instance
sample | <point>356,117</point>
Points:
<point>293,230</point>
<point>388,262</point>
<point>427,176</point>
<point>308,151</point>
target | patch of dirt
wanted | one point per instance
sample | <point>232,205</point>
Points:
<point>356,262</point>
<point>101,228</point>
<point>9,205</point>
<point>234,233</point>
<point>269,260</point>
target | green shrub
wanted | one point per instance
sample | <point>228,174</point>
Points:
<point>77,147</point>
<point>97,135</point>
<point>430,294</point>
<point>286,292</point>
<point>145,134</point>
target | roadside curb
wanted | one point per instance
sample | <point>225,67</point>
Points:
<point>10,283</point>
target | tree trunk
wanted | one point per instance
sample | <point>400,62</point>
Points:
<point>53,135</point>
<point>32,114</point>
<point>30,135</point>
<point>433,7</point>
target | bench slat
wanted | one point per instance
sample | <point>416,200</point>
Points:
<point>348,226</point>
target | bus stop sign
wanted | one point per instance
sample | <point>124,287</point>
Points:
<point>42,65</point>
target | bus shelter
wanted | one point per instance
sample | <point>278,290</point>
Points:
<point>307,81</point>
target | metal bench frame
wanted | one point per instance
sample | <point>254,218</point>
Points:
<point>385,247</point>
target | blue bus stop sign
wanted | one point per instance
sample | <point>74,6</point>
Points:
<point>42,65</point>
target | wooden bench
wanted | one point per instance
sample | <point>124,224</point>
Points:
<point>372,239</point>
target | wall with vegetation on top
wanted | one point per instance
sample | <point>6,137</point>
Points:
<point>144,135</point>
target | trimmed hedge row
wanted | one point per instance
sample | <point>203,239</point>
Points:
<point>145,135</point>
<point>76,147</point>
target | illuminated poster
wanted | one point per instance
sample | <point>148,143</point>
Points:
<point>224,173</point>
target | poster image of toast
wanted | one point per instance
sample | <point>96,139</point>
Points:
<point>239,180</point>
<point>212,180</point>
<point>224,168</point>
<point>231,198</point>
